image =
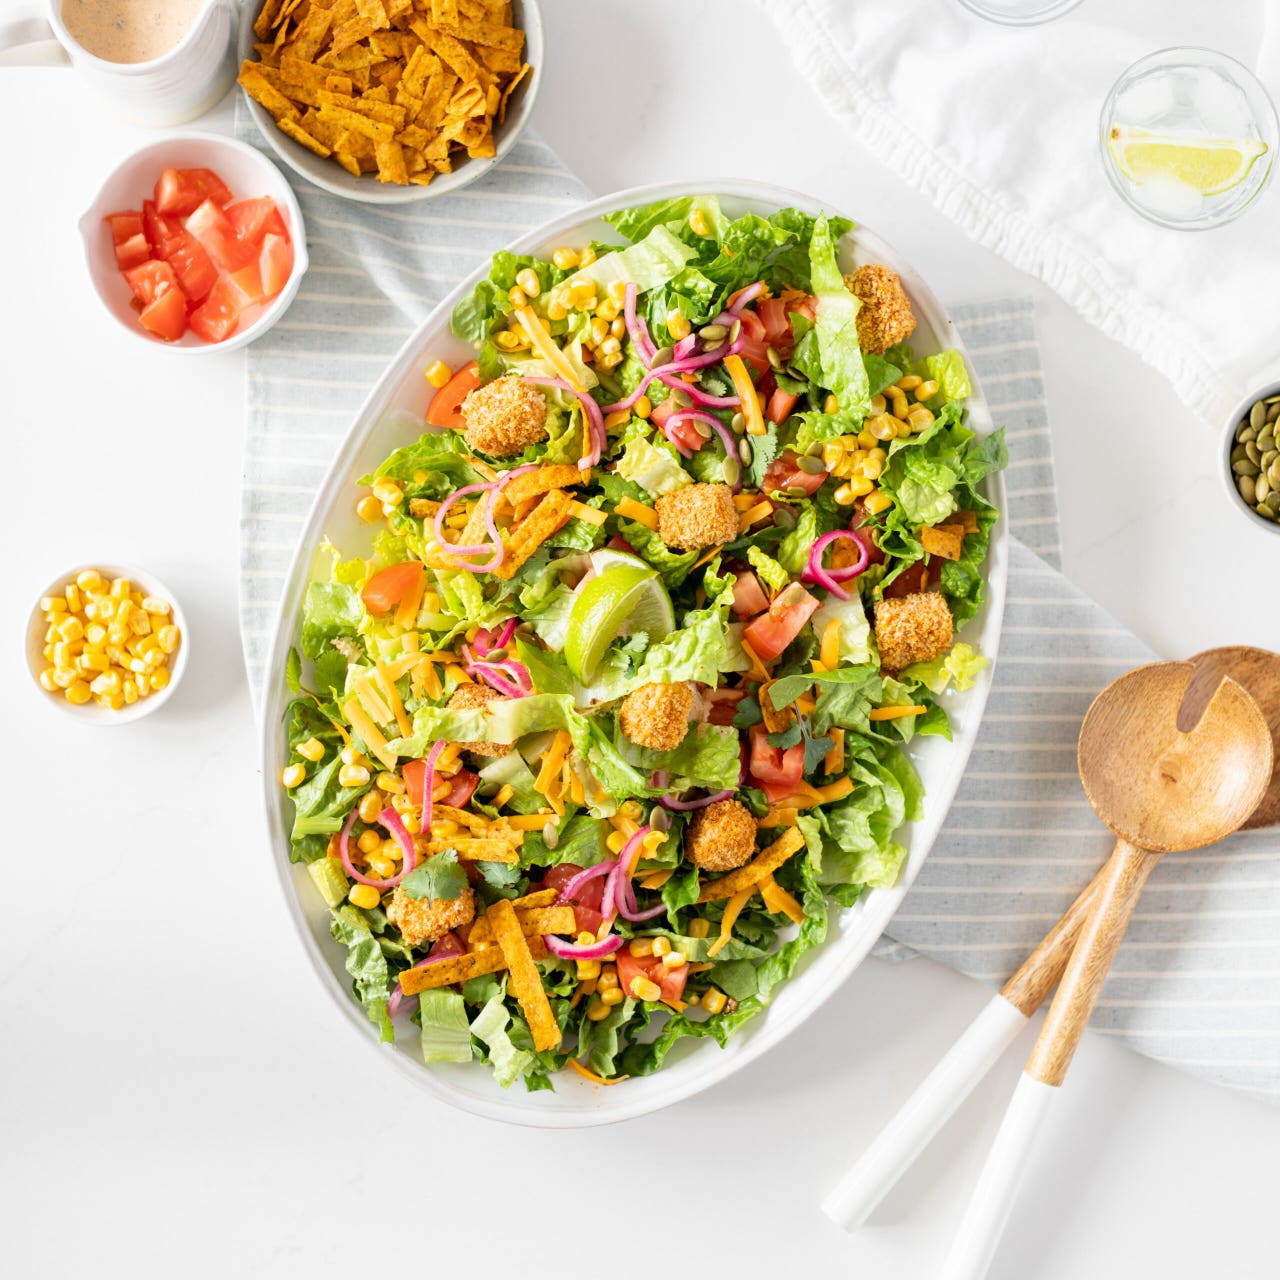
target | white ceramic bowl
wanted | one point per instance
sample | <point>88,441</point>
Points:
<point>90,712</point>
<point>390,417</point>
<point>244,169</point>
<point>1256,522</point>
<point>330,176</point>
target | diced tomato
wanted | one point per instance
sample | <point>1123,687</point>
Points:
<point>182,191</point>
<point>166,317</point>
<point>858,522</point>
<point>915,577</point>
<point>684,433</point>
<point>132,252</point>
<point>776,770</point>
<point>769,634</point>
<point>619,543</point>
<point>445,409</point>
<point>195,270</point>
<point>724,705</point>
<point>785,472</point>
<point>215,319</point>
<point>776,313</point>
<point>249,281</point>
<point>151,279</point>
<point>254,219</point>
<point>124,226</point>
<point>748,595</point>
<point>275,264</point>
<point>671,981</point>
<point>162,233</point>
<point>586,902</point>
<point>389,586</point>
<point>213,229</point>
<point>754,343</point>
<point>778,410</point>
<point>463,786</point>
<point>413,772</point>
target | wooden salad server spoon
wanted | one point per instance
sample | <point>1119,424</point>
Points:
<point>940,1094</point>
<point>1161,789</point>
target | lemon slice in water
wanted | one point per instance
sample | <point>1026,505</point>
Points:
<point>1209,165</point>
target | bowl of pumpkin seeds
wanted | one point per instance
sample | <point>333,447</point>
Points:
<point>1253,458</point>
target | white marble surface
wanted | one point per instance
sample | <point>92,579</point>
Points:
<point>177,1098</point>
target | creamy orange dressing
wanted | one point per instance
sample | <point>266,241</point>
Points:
<point>129,30</point>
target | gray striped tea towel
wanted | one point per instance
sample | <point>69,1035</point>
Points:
<point>1198,982</point>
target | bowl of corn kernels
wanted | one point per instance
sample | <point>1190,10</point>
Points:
<point>107,643</point>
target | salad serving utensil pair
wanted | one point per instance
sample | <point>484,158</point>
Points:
<point>1173,756</point>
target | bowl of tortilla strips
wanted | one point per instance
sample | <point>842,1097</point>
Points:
<point>390,101</point>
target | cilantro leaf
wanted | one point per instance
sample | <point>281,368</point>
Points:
<point>438,879</point>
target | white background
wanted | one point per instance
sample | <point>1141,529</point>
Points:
<point>176,1096</point>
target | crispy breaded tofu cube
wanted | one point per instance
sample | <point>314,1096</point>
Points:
<point>467,697</point>
<point>721,837</point>
<point>885,316</point>
<point>421,920</point>
<point>697,515</point>
<point>657,715</point>
<point>914,628</point>
<point>504,417</point>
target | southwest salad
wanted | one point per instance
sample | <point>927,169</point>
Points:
<point>613,712</point>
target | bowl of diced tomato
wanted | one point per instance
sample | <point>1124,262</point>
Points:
<point>195,243</point>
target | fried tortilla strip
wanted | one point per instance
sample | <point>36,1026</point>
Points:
<point>351,33</point>
<point>945,540</point>
<point>265,23</point>
<point>444,13</point>
<point>765,863</point>
<point>462,968</point>
<point>256,86</point>
<point>539,898</point>
<point>510,89</point>
<point>391,163</point>
<point>523,977</point>
<point>368,106</point>
<point>534,922</point>
<point>310,34</point>
<point>476,849</point>
<point>489,34</point>
<point>374,13</point>
<point>532,483</point>
<point>291,129</point>
<point>373,130</point>
<point>551,514</point>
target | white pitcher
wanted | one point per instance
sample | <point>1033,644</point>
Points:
<point>177,86</point>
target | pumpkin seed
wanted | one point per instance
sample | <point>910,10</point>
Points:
<point>681,398</point>
<point>774,359</point>
<point>1273,411</point>
<point>1266,438</point>
<point>1237,453</point>
<point>659,818</point>
<point>796,491</point>
<point>1246,433</point>
<point>1273,474</point>
<point>785,517</point>
<point>1273,503</point>
<point>813,466</point>
<point>551,834</point>
<point>702,429</point>
<point>815,449</point>
<point>732,470</point>
<point>1268,457</point>
<point>1245,468</point>
<point>713,333</point>
<point>1253,452</point>
<point>1261,487</point>
<point>1258,415</point>
<point>1263,510</point>
<point>735,331</point>
<point>663,356</point>
<point>744,451</point>
<point>1272,400</point>
<point>1245,485</point>
<point>496,655</point>
<point>739,422</point>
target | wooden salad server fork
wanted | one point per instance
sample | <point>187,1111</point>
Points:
<point>1161,789</point>
<point>940,1094</point>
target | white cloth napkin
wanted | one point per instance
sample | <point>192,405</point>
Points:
<point>999,127</point>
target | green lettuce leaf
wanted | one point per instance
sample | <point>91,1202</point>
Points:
<point>708,757</point>
<point>674,566</point>
<point>445,1035</point>
<point>442,457</point>
<point>947,369</point>
<point>366,964</point>
<point>855,629</point>
<point>580,839</point>
<point>835,328</point>
<point>655,468</point>
<point>329,610</point>
<point>650,262</point>
<point>771,573</point>
<point>959,668</point>
<point>490,1027</point>
<point>696,651</point>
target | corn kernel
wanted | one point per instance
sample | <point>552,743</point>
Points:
<point>643,989</point>
<point>369,509</point>
<point>612,312</point>
<point>412,823</point>
<point>909,382</point>
<point>94,661</point>
<point>611,360</point>
<point>698,223</point>
<point>112,701</point>
<point>517,297</point>
<point>878,404</point>
<point>387,491</point>
<point>877,502</point>
<point>677,326</point>
<point>588,969</point>
<point>293,775</point>
<point>369,842</point>
<point>599,330</point>
<point>350,775</point>
<point>641,946</point>
<point>47,681</point>
<point>153,604</point>
<point>106,608</point>
<point>849,492</point>
<point>919,417</point>
<point>312,749</point>
<point>608,977</point>
<point>72,595</point>
<point>597,1010</point>
<point>64,655</point>
<point>871,468</point>
<point>381,867</point>
<point>510,340</point>
<point>673,959</point>
<point>528,281</point>
<point>713,1000</point>
<point>926,390</point>
<point>78,692</point>
<point>364,895</point>
<point>565,259</point>
<point>610,346</point>
<point>642,407</point>
<point>64,677</point>
<point>661,947</point>
<point>612,996</point>
<point>389,782</point>
<point>48,652</point>
<point>586,257</point>
<point>130,692</point>
<point>556,310</point>
<point>582,296</point>
<point>139,622</point>
<point>831,405</point>
<point>391,849</point>
<point>351,756</point>
<point>159,679</point>
<point>369,807</point>
<point>699,928</point>
<point>89,580</point>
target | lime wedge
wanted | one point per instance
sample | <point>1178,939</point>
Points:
<point>620,600</point>
<point>1209,165</point>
